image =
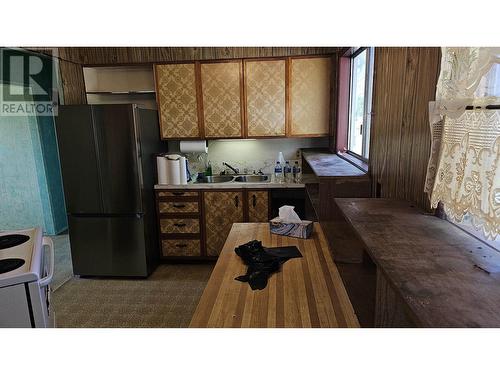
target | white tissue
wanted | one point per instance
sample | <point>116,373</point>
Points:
<point>287,214</point>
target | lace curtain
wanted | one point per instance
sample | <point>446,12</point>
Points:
<point>464,168</point>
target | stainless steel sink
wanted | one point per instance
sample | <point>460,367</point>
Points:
<point>252,178</point>
<point>215,179</point>
<point>249,178</point>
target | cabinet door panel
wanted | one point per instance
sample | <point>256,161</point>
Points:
<point>222,209</point>
<point>258,206</point>
<point>177,105</point>
<point>221,88</point>
<point>265,98</point>
<point>310,96</point>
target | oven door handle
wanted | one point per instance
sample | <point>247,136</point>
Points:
<point>47,279</point>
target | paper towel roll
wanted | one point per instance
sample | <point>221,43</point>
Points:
<point>173,171</point>
<point>183,170</point>
<point>161,166</point>
<point>193,146</point>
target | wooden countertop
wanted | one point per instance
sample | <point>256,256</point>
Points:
<point>326,164</point>
<point>307,292</point>
<point>434,266</point>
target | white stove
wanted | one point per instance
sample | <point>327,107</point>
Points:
<point>25,276</point>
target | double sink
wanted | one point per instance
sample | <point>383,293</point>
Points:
<point>247,178</point>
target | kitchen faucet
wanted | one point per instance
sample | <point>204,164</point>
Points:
<point>235,170</point>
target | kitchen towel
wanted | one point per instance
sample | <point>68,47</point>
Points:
<point>183,170</point>
<point>193,146</point>
<point>173,170</point>
<point>161,165</point>
<point>262,262</point>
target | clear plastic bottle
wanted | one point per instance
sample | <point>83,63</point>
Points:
<point>297,175</point>
<point>287,172</point>
<point>278,172</point>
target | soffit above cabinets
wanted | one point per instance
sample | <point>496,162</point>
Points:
<point>119,79</point>
<point>120,84</point>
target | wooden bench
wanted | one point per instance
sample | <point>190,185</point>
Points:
<point>429,273</point>
<point>306,292</point>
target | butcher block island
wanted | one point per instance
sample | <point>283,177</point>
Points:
<point>306,292</point>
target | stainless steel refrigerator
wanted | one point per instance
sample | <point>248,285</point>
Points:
<point>108,166</point>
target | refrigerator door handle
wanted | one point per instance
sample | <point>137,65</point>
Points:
<point>135,116</point>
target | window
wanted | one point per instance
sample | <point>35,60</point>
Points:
<point>489,86</point>
<point>360,94</point>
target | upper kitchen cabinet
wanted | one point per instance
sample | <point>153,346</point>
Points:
<point>222,88</point>
<point>265,98</point>
<point>309,96</point>
<point>177,101</point>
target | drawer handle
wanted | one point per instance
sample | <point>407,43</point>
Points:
<point>177,205</point>
<point>254,198</point>
<point>179,224</point>
<point>178,193</point>
<point>236,200</point>
<point>180,245</point>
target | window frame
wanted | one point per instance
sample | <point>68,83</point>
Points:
<point>367,105</point>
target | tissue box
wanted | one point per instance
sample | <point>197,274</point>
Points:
<point>299,230</point>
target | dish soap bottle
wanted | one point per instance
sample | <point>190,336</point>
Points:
<point>208,171</point>
<point>278,173</point>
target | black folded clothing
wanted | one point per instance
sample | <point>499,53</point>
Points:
<point>262,262</point>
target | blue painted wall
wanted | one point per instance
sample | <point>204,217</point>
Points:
<point>52,168</point>
<point>30,179</point>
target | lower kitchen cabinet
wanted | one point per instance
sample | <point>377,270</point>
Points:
<point>222,209</point>
<point>196,223</point>
<point>258,206</point>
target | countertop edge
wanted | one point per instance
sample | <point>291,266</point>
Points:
<point>230,185</point>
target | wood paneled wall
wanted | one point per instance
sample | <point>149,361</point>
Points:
<point>404,83</point>
<point>73,83</point>
<point>70,73</point>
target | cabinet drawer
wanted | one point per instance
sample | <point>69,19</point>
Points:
<point>180,226</point>
<point>178,207</point>
<point>181,248</point>
<point>178,193</point>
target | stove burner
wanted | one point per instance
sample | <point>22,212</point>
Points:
<point>11,240</point>
<point>10,264</point>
